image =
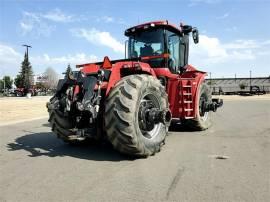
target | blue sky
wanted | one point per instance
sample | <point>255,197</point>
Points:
<point>234,35</point>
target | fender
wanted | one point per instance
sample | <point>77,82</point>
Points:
<point>133,67</point>
<point>116,70</point>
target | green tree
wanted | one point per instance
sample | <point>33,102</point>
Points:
<point>18,81</point>
<point>1,84</point>
<point>25,78</point>
<point>68,71</point>
<point>6,82</point>
<point>242,86</point>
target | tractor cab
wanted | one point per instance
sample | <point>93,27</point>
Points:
<point>162,43</point>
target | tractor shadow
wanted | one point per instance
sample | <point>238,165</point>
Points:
<point>46,124</point>
<point>179,128</point>
<point>46,144</point>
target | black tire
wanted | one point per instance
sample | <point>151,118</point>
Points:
<point>61,125</point>
<point>122,119</point>
<point>203,120</point>
<point>19,94</point>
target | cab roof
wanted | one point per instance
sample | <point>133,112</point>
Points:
<point>161,23</point>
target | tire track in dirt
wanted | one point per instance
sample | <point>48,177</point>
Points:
<point>175,181</point>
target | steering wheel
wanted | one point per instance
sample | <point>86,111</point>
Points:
<point>158,52</point>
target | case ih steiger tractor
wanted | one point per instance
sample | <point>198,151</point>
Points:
<point>132,102</point>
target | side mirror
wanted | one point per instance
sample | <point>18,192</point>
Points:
<point>195,35</point>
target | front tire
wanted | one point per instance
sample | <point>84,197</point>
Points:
<point>123,123</point>
<point>61,124</point>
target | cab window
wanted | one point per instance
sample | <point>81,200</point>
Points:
<point>174,52</point>
<point>148,43</point>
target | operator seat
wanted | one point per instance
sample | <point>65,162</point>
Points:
<point>171,63</point>
<point>147,50</point>
<point>134,54</point>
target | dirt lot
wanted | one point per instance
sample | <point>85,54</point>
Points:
<point>14,109</point>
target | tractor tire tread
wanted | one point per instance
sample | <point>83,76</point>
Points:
<point>119,119</point>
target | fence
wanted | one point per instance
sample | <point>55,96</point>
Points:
<point>234,85</point>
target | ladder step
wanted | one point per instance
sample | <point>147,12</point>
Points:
<point>187,101</point>
<point>187,93</point>
<point>189,117</point>
<point>75,137</point>
<point>188,110</point>
<point>189,79</point>
<point>187,86</point>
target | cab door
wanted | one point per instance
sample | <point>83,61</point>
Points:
<point>178,87</point>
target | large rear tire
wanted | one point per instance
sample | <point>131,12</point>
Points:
<point>122,115</point>
<point>203,119</point>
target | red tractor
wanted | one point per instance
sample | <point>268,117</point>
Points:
<point>19,92</point>
<point>132,102</point>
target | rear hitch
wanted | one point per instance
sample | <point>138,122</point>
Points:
<point>216,103</point>
<point>90,102</point>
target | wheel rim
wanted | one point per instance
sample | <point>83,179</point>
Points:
<point>149,101</point>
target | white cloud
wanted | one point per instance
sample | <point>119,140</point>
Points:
<point>26,27</point>
<point>211,47</point>
<point>33,24</point>
<point>196,2</point>
<point>39,24</point>
<point>223,16</point>
<point>107,19</point>
<point>97,37</point>
<point>110,19</point>
<point>213,55</point>
<point>245,44</point>
<point>212,50</point>
<point>78,58</point>
<point>232,29</point>
<point>44,23</point>
<point>57,15</point>
<point>10,61</point>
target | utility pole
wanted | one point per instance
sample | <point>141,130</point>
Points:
<point>27,46</point>
<point>250,80</point>
<point>210,81</point>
